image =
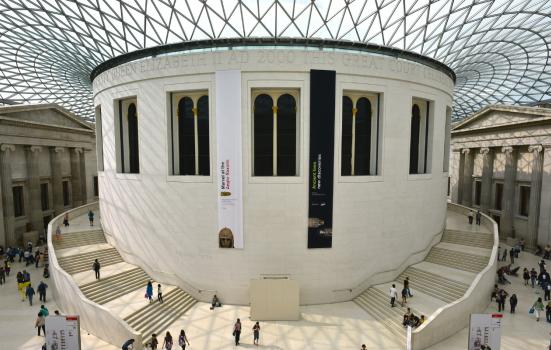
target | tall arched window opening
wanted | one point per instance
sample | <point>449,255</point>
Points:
<point>189,129</point>
<point>360,134</point>
<point>126,136</point>
<point>286,135</point>
<point>420,149</point>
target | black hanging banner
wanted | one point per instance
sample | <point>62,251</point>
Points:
<point>322,126</point>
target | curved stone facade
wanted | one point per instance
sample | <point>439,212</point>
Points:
<point>380,218</point>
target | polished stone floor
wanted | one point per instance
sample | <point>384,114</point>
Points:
<point>331,326</point>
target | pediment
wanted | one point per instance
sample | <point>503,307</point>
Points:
<point>44,114</point>
<point>502,116</point>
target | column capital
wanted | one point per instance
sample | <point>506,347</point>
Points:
<point>76,150</point>
<point>535,148</point>
<point>484,150</point>
<point>7,147</point>
<point>34,149</point>
<point>59,149</point>
<point>507,149</point>
<point>466,151</point>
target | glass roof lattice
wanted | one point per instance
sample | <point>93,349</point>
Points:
<point>499,49</point>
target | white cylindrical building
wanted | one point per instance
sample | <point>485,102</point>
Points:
<point>172,120</point>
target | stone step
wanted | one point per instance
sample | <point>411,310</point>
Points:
<point>436,286</point>
<point>475,239</point>
<point>83,262</point>
<point>113,287</point>
<point>456,259</point>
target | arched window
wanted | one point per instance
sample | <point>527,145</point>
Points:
<point>414,140</point>
<point>126,136</point>
<point>189,128</point>
<point>186,137</point>
<point>263,148</point>
<point>133,147</point>
<point>286,135</point>
<point>360,134</point>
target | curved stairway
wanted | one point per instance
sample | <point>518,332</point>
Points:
<point>76,252</point>
<point>443,277</point>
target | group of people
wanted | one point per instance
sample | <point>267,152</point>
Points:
<point>477,216</point>
<point>411,320</point>
<point>149,292</point>
<point>406,293</point>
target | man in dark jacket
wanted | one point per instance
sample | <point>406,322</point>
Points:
<point>42,291</point>
<point>96,268</point>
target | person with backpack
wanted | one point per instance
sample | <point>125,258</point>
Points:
<point>40,323</point>
<point>96,267</point>
<point>182,339</point>
<point>128,345</point>
<point>44,310</point>
<point>42,291</point>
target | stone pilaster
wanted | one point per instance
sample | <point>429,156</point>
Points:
<point>544,225</point>
<point>487,177</point>
<point>535,195</point>
<point>7,191</point>
<point>34,209</point>
<point>57,178</point>
<point>508,212</point>
<point>467,197</point>
<point>76,187</point>
<point>83,179</point>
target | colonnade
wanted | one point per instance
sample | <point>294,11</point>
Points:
<point>465,183</point>
<point>33,207</point>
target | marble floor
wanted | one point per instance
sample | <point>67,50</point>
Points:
<point>331,326</point>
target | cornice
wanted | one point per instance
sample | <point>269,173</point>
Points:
<point>36,125</point>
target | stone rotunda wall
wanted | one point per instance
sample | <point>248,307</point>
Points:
<point>169,223</point>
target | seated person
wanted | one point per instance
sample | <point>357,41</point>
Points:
<point>405,320</point>
<point>414,321</point>
<point>421,320</point>
<point>46,273</point>
<point>513,272</point>
<point>215,302</point>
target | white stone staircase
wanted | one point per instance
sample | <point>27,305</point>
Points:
<point>442,278</point>
<point>76,253</point>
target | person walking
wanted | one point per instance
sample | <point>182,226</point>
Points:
<point>471,215</point>
<point>42,291</point>
<point>478,217</point>
<point>501,298</point>
<point>159,294</point>
<point>537,307</point>
<point>66,220</point>
<point>547,292</point>
<point>44,311</point>
<point>91,217</point>
<point>96,268</point>
<point>154,343</point>
<point>149,291</point>
<point>393,294</point>
<point>504,255</point>
<point>526,276</point>
<point>512,255</point>
<point>533,276</point>
<point>404,296</point>
<point>40,323</point>
<point>58,233</point>
<point>237,331</point>
<point>7,267</point>
<point>513,301</point>
<point>36,258</point>
<point>167,343</point>
<point>406,286</point>
<point>2,275</point>
<point>182,339</point>
<point>256,333</point>
<point>29,292</point>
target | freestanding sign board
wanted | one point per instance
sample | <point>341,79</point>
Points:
<point>62,333</point>
<point>485,329</point>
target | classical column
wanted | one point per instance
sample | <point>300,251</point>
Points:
<point>487,176</point>
<point>535,195</point>
<point>467,198</point>
<point>460,170</point>
<point>75,177</point>
<point>83,179</point>
<point>57,178</point>
<point>7,190</point>
<point>508,212</point>
<point>544,225</point>
<point>34,212</point>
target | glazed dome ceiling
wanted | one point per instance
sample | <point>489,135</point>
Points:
<point>499,49</point>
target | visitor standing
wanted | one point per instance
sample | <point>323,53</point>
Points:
<point>537,308</point>
<point>91,217</point>
<point>526,276</point>
<point>58,233</point>
<point>7,267</point>
<point>29,292</point>
<point>167,343</point>
<point>237,331</point>
<point>96,268</point>
<point>154,342</point>
<point>512,255</point>
<point>406,286</point>
<point>478,217</point>
<point>149,291</point>
<point>159,294</point>
<point>513,301</point>
<point>42,291</point>
<point>533,276</point>
<point>393,294</point>
<point>548,311</point>
<point>256,333</point>
<point>501,298</point>
<point>2,275</point>
<point>66,220</point>
<point>504,255</point>
<point>471,215</point>
<point>40,323</point>
<point>182,339</point>
<point>547,295</point>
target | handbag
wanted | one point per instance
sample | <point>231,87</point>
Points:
<point>233,333</point>
<point>531,311</point>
